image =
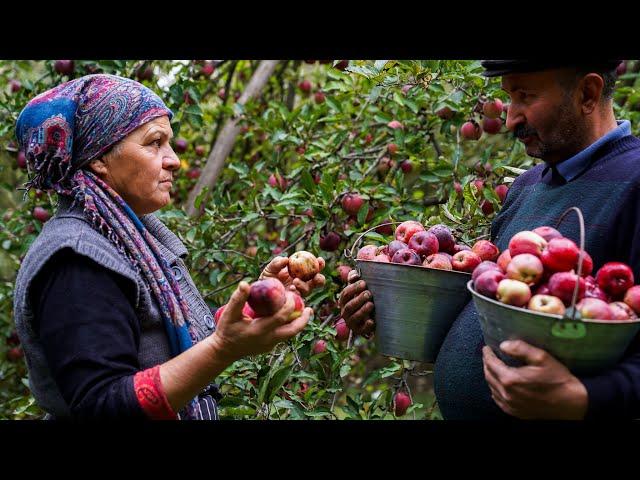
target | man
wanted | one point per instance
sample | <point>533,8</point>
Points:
<point>563,113</point>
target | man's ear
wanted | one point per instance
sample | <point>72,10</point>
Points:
<point>591,90</point>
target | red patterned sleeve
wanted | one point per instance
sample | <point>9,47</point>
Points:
<point>150,394</point>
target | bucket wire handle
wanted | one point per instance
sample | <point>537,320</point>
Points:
<point>349,253</point>
<point>577,329</point>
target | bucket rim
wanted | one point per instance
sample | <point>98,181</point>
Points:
<point>542,314</point>
<point>457,272</point>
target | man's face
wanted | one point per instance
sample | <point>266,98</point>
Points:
<point>545,115</point>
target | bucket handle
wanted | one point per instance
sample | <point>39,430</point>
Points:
<point>568,327</point>
<point>349,253</point>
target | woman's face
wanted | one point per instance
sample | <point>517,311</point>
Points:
<point>141,166</point>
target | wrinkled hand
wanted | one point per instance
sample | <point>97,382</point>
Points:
<point>356,306</point>
<point>277,268</point>
<point>238,335</point>
<point>542,389</point>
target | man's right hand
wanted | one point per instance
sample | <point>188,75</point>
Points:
<point>356,306</point>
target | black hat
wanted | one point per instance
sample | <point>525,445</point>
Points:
<point>495,68</point>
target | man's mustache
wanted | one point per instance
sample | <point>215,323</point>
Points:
<point>521,131</point>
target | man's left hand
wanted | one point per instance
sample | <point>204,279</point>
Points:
<point>542,389</point>
<point>277,268</point>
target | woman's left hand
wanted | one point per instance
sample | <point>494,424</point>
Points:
<point>277,268</point>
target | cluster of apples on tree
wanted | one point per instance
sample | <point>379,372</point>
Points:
<point>539,271</point>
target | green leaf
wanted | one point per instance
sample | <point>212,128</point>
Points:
<point>307,181</point>
<point>379,65</point>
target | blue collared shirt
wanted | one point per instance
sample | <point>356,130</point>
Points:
<point>572,167</point>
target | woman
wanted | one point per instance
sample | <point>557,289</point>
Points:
<point>110,321</point>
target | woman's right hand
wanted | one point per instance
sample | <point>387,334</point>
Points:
<point>356,306</point>
<point>237,335</point>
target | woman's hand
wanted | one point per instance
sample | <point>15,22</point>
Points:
<point>277,268</point>
<point>238,335</point>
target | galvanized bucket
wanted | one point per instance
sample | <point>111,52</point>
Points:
<point>414,306</point>
<point>584,346</point>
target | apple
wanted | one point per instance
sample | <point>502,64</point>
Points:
<point>424,243</point>
<point>367,138</point>
<point>632,298</point>
<point>343,272</point>
<point>144,72</point>
<point>445,238</point>
<point>445,113</point>
<point>305,86</point>
<point>21,160</point>
<point>200,150</point>
<point>303,265</point>
<point>594,308</point>
<point>64,67</point>
<point>493,108</point>
<point>392,148</point>
<point>266,296</point>
<point>207,69</point>
<point>465,261</point>
<point>587,265</point>
<point>181,145</point>
<point>329,242</point>
<point>459,247</point>
<point>382,257</point>
<point>471,130</point>
<point>401,402</point>
<point>193,173</point>
<point>622,311</point>
<point>405,88</point>
<point>491,125</point>
<point>14,354</point>
<point>319,97</point>
<point>41,214</point>
<point>351,203</point>
<point>298,305</point>
<point>485,250</point>
<point>319,347</point>
<point>385,165</point>
<point>406,166</point>
<point>542,289</point>
<point>621,69</point>
<point>487,207</point>
<point>407,229</point>
<point>342,64</point>
<point>592,290</point>
<point>562,284</point>
<point>368,252</point>
<point>527,242</point>
<point>546,304</point>
<point>487,282</point>
<point>394,124</point>
<point>277,181</point>
<point>437,260</point>
<point>525,267</point>
<point>457,186</point>
<point>394,246</point>
<point>483,267</point>
<point>513,292</point>
<point>406,256</point>
<point>615,278</point>
<point>479,184</point>
<point>15,85</point>
<point>501,191</point>
<point>385,229</point>
<point>503,260</point>
<point>342,330</point>
<point>548,233</point>
<point>561,255</point>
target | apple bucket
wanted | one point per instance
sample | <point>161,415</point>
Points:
<point>584,346</point>
<point>414,306</point>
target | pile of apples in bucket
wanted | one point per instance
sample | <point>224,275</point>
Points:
<point>539,269</point>
<point>432,248</point>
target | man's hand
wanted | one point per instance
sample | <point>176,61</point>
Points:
<point>356,307</point>
<point>542,389</point>
<point>277,268</point>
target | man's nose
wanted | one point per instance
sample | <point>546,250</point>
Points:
<point>514,117</point>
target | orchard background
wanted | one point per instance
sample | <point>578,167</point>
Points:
<point>268,150</point>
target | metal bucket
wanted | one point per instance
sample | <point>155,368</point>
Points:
<point>414,307</point>
<point>585,346</point>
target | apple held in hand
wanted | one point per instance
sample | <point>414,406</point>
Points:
<point>487,283</point>
<point>303,265</point>
<point>527,242</point>
<point>266,296</point>
<point>424,243</point>
<point>525,267</point>
<point>407,229</point>
<point>298,305</point>
<point>406,256</point>
<point>615,278</point>
<point>485,250</point>
<point>546,304</point>
<point>513,292</point>
<point>465,261</point>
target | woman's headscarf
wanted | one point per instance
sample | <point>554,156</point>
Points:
<point>62,130</point>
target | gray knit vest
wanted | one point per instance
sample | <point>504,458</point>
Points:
<point>70,229</point>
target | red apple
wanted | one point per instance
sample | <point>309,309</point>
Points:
<point>487,282</point>
<point>305,86</point>
<point>587,265</point>
<point>407,229</point>
<point>41,214</point>
<point>484,266</point>
<point>342,64</point>
<point>527,242</point>
<point>342,330</point>
<point>193,173</point>
<point>594,308</point>
<point>632,298</point>
<point>266,296</point>
<point>394,246</point>
<point>319,97</point>
<point>424,243</point>
<point>512,292</point>
<point>621,69</point>
<point>457,187</point>
<point>200,150</point>
<point>491,125</point>
<point>437,260</point>
<point>561,255</point>
<point>493,109</point>
<point>546,304</point>
<point>21,160</point>
<point>394,124</point>
<point>385,229</point>
<point>615,278</point>
<point>368,252</point>
<point>382,257</point>
<point>525,267</point>
<point>471,131</point>
<point>14,354</point>
<point>562,284</point>
<point>465,261</point>
<point>406,256</point>
<point>181,145</point>
<point>15,85</point>
<point>401,402</point>
<point>343,271</point>
<point>319,347</point>
<point>406,166</point>
<point>303,265</point>
<point>329,242</point>
<point>503,260</point>
<point>385,165</point>
<point>445,113</point>
<point>298,305</point>
<point>487,207</point>
<point>542,289</point>
<point>485,250</point>
<point>548,233</point>
<point>622,311</point>
<point>444,236</point>
<point>144,72</point>
<point>277,181</point>
<point>392,148</point>
<point>64,67</point>
<point>459,247</point>
<point>501,191</point>
<point>351,203</point>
